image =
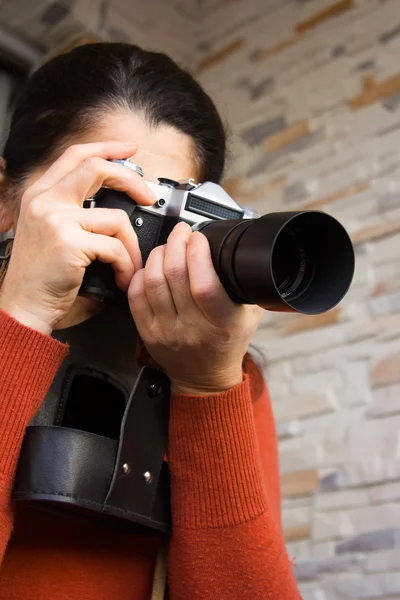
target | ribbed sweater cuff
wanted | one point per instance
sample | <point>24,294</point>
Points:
<point>213,457</point>
<point>28,363</point>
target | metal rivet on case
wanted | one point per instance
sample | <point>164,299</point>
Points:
<point>139,222</point>
<point>154,390</point>
<point>126,468</point>
<point>148,477</point>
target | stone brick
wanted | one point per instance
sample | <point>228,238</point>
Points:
<point>339,51</point>
<point>386,249</point>
<point>294,192</point>
<point>261,88</point>
<point>303,406</point>
<point>342,499</point>
<point>385,401</point>
<point>298,548</point>
<point>287,429</point>
<point>334,481</point>
<point>319,382</point>
<point>303,323</point>
<point>388,560</point>
<point>219,56</point>
<point>291,517</point>
<point>299,483</point>
<point>298,532</point>
<point>388,36</point>
<point>316,594</point>
<point>386,492</point>
<point>386,371</point>
<point>257,133</point>
<point>376,93</point>
<point>367,518</point>
<point>382,585</point>
<point>385,304</point>
<point>373,327</point>
<point>304,456</point>
<point>372,232</point>
<point>263,53</point>
<point>393,102</point>
<point>55,12</point>
<point>314,569</point>
<point>347,192</point>
<point>327,13</point>
<point>382,539</point>
<point>288,136</point>
<point>331,526</point>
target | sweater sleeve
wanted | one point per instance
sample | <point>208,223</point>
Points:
<point>29,361</point>
<point>227,538</point>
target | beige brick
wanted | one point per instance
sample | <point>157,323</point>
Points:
<point>333,525</point>
<point>299,483</point>
<point>383,561</point>
<point>287,136</point>
<point>305,405</point>
<point>341,499</point>
<point>385,401</point>
<point>372,232</point>
<point>386,492</point>
<point>219,56</point>
<point>346,192</point>
<point>298,532</point>
<point>303,323</point>
<point>376,93</point>
<point>386,371</point>
<point>327,13</point>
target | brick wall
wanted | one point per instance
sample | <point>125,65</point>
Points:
<point>311,89</point>
<point>312,92</point>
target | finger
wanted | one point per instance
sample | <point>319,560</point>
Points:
<point>157,288</point>
<point>205,286</point>
<point>115,223</point>
<point>176,270</point>
<point>141,310</point>
<point>94,173</point>
<point>75,155</point>
<point>111,251</point>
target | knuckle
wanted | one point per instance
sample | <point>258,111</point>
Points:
<point>154,282</point>
<point>203,292</point>
<point>74,151</point>
<point>117,247</point>
<point>33,208</point>
<point>121,216</point>
<point>175,270</point>
<point>93,164</point>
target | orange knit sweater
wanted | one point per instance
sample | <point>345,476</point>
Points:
<point>227,539</point>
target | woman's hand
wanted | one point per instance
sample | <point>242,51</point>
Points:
<point>188,323</point>
<point>56,239</point>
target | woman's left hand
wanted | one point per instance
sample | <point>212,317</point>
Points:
<point>188,323</point>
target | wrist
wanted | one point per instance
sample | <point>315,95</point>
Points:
<point>208,387</point>
<point>25,317</point>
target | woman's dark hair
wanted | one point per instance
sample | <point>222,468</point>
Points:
<point>68,95</point>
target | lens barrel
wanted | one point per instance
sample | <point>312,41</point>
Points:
<point>287,262</point>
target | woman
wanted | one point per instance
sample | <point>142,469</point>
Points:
<point>77,113</point>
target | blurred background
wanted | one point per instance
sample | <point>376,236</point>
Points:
<point>311,92</point>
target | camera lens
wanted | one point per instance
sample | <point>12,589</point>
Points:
<point>292,268</point>
<point>290,262</point>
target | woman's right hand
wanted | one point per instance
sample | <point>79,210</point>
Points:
<point>56,239</point>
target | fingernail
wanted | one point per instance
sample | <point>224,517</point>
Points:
<point>151,195</point>
<point>182,225</point>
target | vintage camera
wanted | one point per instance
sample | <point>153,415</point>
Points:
<point>285,261</point>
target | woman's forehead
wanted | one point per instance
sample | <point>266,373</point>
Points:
<point>163,151</point>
